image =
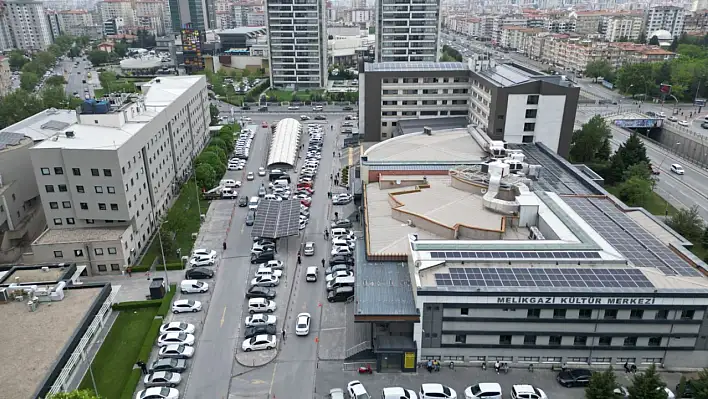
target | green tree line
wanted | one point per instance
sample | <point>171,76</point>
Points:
<point>449,54</point>
<point>646,384</point>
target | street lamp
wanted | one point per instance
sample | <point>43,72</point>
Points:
<point>667,154</point>
<point>675,106</point>
<point>162,252</point>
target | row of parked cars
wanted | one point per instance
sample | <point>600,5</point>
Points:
<point>485,390</point>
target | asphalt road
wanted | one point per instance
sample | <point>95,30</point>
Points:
<point>75,75</point>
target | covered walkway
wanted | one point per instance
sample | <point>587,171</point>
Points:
<point>284,146</point>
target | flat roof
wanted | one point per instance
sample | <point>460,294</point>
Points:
<point>61,236</point>
<point>243,30</point>
<point>285,142</point>
<point>383,288</point>
<point>43,125</point>
<point>445,145</point>
<point>415,66</point>
<point>510,74</point>
<point>35,275</point>
<point>38,338</point>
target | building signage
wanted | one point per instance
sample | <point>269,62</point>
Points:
<point>580,300</point>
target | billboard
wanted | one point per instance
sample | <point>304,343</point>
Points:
<point>665,89</point>
<point>636,123</point>
<point>192,40</point>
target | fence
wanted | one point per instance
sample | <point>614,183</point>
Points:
<point>360,347</point>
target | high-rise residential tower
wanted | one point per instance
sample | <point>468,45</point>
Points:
<point>297,35</point>
<point>407,30</point>
<point>668,18</point>
<point>25,24</point>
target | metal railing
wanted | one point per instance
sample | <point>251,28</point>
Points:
<point>360,347</point>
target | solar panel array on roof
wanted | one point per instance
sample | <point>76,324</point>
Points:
<point>275,219</point>
<point>543,277</point>
<point>553,177</point>
<point>417,66</point>
<point>515,255</point>
<point>7,138</point>
<point>631,240</point>
<point>55,125</point>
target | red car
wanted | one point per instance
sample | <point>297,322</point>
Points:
<point>304,185</point>
<point>306,190</point>
<point>264,124</point>
<point>307,203</point>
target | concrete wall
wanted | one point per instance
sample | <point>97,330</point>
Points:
<point>375,174</point>
<point>693,147</point>
<point>389,184</point>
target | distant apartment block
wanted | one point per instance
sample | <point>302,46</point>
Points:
<point>668,18</point>
<point>697,23</point>
<point>25,25</point>
<point>623,28</point>
<point>407,30</point>
<point>5,76</point>
<point>75,22</point>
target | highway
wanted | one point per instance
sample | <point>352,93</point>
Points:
<point>76,75</point>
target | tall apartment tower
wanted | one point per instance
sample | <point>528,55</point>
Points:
<point>199,14</point>
<point>407,30</point>
<point>297,36</point>
<point>668,18</point>
<point>25,24</point>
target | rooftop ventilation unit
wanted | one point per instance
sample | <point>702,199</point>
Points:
<point>69,134</point>
<point>428,130</point>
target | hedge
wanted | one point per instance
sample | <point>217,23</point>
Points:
<point>158,267</point>
<point>167,301</point>
<point>151,303</point>
<point>150,339</point>
<point>133,382</point>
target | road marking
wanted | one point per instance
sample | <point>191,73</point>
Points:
<point>272,381</point>
<point>351,155</point>
<point>332,329</point>
<point>223,316</point>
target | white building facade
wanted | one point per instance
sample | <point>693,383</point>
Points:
<point>407,31</point>
<point>623,27</point>
<point>25,25</point>
<point>668,18</point>
<point>75,22</point>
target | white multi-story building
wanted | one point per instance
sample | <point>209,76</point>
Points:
<point>360,16</point>
<point>75,22</point>
<point>623,27</point>
<point>256,18</point>
<point>118,9</point>
<point>5,76</point>
<point>150,16</point>
<point>506,20</point>
<point>106,180</point>
<point>25,24</point>
<point>407,30</point>
<point>297,35</point>
<point>668,18</point>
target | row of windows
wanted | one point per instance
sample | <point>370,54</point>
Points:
<point>425,80</point>
<point>546,359</point>
<point>62,188</point>
<point>608,314</point>
<point>423,91</point>
<point>578,340</point>
<point>80,252</point>
<point>75,171</point>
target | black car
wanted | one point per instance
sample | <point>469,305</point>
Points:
<point>574,378</point>
<point>341,260</point>
<point>258,330</point>
<point>263,109</point>
<point>246,108</point>
<point>169,364</point>
<point>320,118</point>
<point>339,267</point>
<point>347,108</point>
<point>243,201</point>
<point>263,257</point>
<point>198,273</point>
<point>260,292</point>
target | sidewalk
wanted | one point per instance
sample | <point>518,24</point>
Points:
<point>136,287</point>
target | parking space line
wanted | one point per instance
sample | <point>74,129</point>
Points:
<point>272,381</point>
<point>223,316</point>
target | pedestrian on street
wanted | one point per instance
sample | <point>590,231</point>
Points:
<point>299,260</point>
<point>336,215</point>
<point>143,367</point>
<point>224,245</point>
<point>323,263</point>
<point>357,217</point>
<point>130,271</point>
<point>330,176</point>
<point>334,153</point>
<point>283,334</point>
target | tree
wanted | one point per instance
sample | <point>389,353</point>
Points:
<point>598,68</point>
<point>699,385</point>
<point>591,142</point>
<point>108,80</point>
<point>98,57</point>
<point>18,105</point>
<point>45,59</point>
<point>55,80</point>
<point>206,176</point>
<point>647,385</point>
<point>704,238</point>
<point>642,38</point>
<point>121,48</point>
<point>687,222</point>
<point>631,152</point>
<point>77,394</point>
<point>674,44</point>
<point>17,59</point>
<point>214,114</point>
<point>29,81</point>
<point>654,41</point>
<point>602,385</point>
<point>635,191</point>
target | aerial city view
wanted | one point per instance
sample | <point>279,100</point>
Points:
<point>394,199</point>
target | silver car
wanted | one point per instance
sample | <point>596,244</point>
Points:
<point>162,379</point>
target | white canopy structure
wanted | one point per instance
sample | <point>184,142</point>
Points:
<point>284,146</point>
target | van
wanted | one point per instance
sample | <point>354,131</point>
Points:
<point>311,273</point>
<point>339,232</point>
<point>193,287</point>
<point>253,203</point>
<point>340,282</point>
<point>230,183</point>
<point>341,294</point>
<point>281,182</point>
<point>260,305</point>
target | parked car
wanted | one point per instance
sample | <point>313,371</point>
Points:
<point>259,342</point>
<point>436,391</point>
<point>157,393</point>
<point>343,223</point>
<point>243,201</point>
<point>260,319</point>
<point>168,364</point>
<point>176,351</point>
<point>342,199</point>
<point>177,326</point>
<point>309,248</point>
<point>204,252</point>
<point>574,378</point>
<point>171,338</point>
<point>198,273</point>
<point>186,305</point>
<point>267,280</point>
<point>357,391</point>
<point>198,261</point>
<point>260,292</point>
<point>252,331</point>
<point>401,393</point>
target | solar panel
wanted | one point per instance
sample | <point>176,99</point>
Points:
<point>8,138</point>
<point>543,277</point>
<point>635,243</point>
<point>553,177</point>
<point>275,219</point>
<point>515,255</point>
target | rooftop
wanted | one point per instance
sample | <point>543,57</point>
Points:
<point>243,30</point>
<point>455,145</point>
<point>505,75</point>
<point>384,286</point>
<point>35,275</point>
<point>415,66</point>
<point>43,125</point>
<point>58,236</point>
<point>25,337</point>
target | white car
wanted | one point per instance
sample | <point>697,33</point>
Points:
<point>338,250</point>
<point>250,176</point>
<point>260,319</point>
<point>261,171</point>
<point>436,391</point>
<point>302,324</point>
<point>676,168</point>
<point>266,280</point>
<point>204,252</point>
<point>233,166</point>
<point>340,273</point>
<point>309,248</point>
<point>293,107</point>
<point>176,351</point>
<point>525,391</point>
<point>303,225</point>
<point>484,390</point>
<point>259,342</point>
<point>683,123</point>
<point>399,393</point>
<point>177,326</point>
<point>172,338</point>
<point>273,264</point>
<point>201,261</point>
<point>357,391</point>
<point>186,305</point>
<point>158,393</point>
<point>267,270</point>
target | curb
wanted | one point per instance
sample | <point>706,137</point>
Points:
<point>253,364</point>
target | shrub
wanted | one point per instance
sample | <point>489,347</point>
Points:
<point>150,339</point>
<point>167,301</point>
<point>131,305</point>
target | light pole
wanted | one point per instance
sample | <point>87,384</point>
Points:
<point>675,106</point>
<point>93,380</point>
<point>667,154</point>
<point>162,251</point>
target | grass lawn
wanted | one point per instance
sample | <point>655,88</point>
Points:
<point>114,361</point>
<point>655,206</point>
<point>281,95</point>
<point>186,204</point>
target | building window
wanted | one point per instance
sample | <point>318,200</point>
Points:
<point>529,127</point>
<point>527,139</point>
<point>62,188</point>
<point>555,340</point>
<point>49,188</point>
<point>662,314</point>
<point>552,359</point>
<point>532,100</point>
<point>58,222</point>
<point>44,171</point>
<point>636,314</point>
<point>115,267</point>
<point>66,204</point>
<point>76,171</point>
<point>80,189</point>
<point>107,172</point>
<point>112,250</point>
<point>630,341</point>
<point>54,205</point>
<point>99,189</point>
<point>384,124</point>
<point>58,170</point>
<point>605,341</point>
<point>461,339</point>
<point>578,360</point>
<point>531,113</point>
<point>654,341</point>
<point>101,268</point>
<point>500,117</point>
<point>687,314</point>
<point>114,207</point>
<point>505,340</point>
<point>559,313</point>
<point>111,189</point>
<point>610,314</point>
<point>98,251</point>
<point>58,254</point>
<point>91,221</point>
<point>585,313</point>
<point>533,313</point>
<point>465,311</point>
<point>580,340</point>
<point>606,360</point>
<point>101,206</point>
<point>529,340</point>
<point>70,221</point>
<point>94,172</point>
<point>78,252</point>
<point>652,360</point>
<point>84,206</point>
